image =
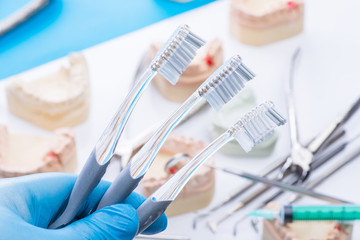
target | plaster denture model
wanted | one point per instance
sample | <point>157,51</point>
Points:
<point>59,99</point>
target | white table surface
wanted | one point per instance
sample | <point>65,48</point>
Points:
<point>327,81</point>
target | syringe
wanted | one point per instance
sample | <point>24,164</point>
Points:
<point>289,213</point>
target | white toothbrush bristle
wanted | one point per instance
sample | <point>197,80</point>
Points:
<point>226,82</point>
<point>177,53</point>
<point>257,125</point>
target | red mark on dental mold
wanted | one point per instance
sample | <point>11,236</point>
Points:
<point>209,61</point>
<point>338,227</point>
<point>51,154</point>
<point>172,170</point>
<point>291,5</point>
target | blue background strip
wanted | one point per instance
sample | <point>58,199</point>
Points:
<point>64,26</point>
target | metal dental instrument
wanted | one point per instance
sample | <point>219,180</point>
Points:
<point>319,159</point>
<point>286,186</point>
<point>254,224</point>
<point>331,131</point>
<point>315,182</point>
<point>21,15</point>
<point>326,137</point>
<point>264,173</point>
<point>170,61</point>
<point>281,185</point>
<point>249,131</point>
<point>300,157</point>
<point>333,151</point>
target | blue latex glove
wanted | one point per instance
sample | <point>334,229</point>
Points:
<point>27,205</point>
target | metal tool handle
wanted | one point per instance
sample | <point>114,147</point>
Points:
<point>328,173</point>
<point>88,179</point>
<point>291,188</point>
<point>323,158</point>
<point>149,211</point>
<point>21,15</point>
<point>315,182</point>
<point>291,101</point>
<point>331,152</point>
<point>116,194</point>
<point>292,181</point>
<point>316,145</point>
<point>338,134</point>
<point>319,160</point>
<point>351,111</point>
<point>265,172</point>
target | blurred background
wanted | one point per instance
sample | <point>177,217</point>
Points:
<point>114,37</point>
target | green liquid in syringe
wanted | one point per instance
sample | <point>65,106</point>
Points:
<point>340,213</point>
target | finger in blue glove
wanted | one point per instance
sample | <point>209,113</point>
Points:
<point>27,205</point>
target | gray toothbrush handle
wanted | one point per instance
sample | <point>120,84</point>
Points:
<point>120,189</point>
<point>149,211</point>
<point>88,179</point>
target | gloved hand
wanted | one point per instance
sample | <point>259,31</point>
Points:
<point>27,205</point>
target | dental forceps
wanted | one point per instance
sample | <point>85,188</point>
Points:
<point>300,160</point>
<point>300,157</point>
<point>294,165</point>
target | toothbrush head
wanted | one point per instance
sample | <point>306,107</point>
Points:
<point>226,82</point>
<point>256,126</point>
<point>177,53</point>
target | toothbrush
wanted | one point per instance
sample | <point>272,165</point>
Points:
<point>249,131</point>
<point>170,61</point>
<point>218,89</point>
